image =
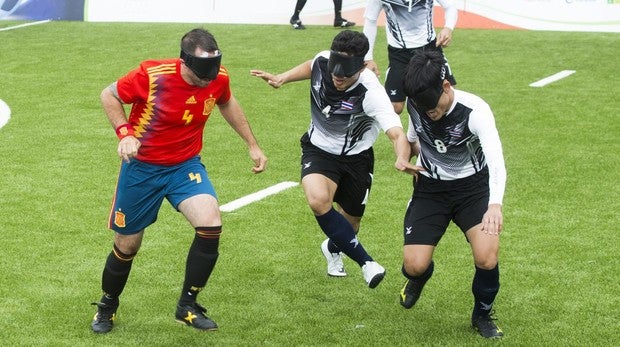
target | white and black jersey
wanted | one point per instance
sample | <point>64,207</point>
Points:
<point>461,143</point>
<point>409,23</point>
<point>347,122</point>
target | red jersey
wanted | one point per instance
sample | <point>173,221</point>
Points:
<point>168,115</point>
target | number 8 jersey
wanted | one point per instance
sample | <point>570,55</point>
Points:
<point>461,143</point>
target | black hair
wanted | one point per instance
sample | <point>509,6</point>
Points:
<point>351,42</point>
<point>198,38</point>
<point>425,70</point>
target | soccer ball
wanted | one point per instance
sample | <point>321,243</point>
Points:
<point>8,6</point>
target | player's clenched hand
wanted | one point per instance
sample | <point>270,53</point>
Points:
<point>405,166</point>
<point>260,160</point>
<point>493,221</point>
<point>271,79</point>
<point>128,147</point>
<point>444,38</point>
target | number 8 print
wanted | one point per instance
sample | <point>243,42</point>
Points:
<point>440,147</point>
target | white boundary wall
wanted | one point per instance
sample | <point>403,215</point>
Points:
<point>556,15</point>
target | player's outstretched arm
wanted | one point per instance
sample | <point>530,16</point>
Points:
<point>298,73</point>
<point>232,112</point>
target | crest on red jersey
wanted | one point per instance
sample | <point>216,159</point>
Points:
<point>209,104</point>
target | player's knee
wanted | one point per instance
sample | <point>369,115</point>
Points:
<point>319,206</point>
<point>486,262</point>
<point>398,107</point>
<point>129,246</point>
<point>118,260</point>
<point>415,267</point>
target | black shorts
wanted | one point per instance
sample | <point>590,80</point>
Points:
<point>398,59</point>
<point>352,174</point>
<point>435,203</point>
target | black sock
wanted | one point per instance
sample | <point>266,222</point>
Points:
<point>201,259</point>
<point>109,300</point>
<point>298,7</point>
<point>337,9</point>
<point>115,275</point>
<point>485,287</point>
<point>342,234</point>
<point>331,246</point>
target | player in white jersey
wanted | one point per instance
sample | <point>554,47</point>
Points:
<point>454,136</point>
<point>348,108</point>
<point>409,29</point>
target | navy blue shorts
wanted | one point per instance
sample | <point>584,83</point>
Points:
<point>142,187</point>
<point>352,174</point>
<point>435,203</point>
<point>398,59</point>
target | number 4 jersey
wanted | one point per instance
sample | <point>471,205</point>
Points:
<point>168,114</point>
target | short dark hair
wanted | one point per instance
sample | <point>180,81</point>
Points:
<point>351,42</point>
<point>198,38</point>
<point>425,70</point>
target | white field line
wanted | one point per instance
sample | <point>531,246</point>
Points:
<point>261,194</point>
<point>25,25</point>
<point>5,113</point>
<point>558,76</point>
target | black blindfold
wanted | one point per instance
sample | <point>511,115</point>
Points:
<point>427,99</point>
<point>342,65</point>
<point>203,67</point>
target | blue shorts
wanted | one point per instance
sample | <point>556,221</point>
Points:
<point>142,187</point>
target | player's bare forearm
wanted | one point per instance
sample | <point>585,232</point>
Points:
<point>232,112</point>
<point>128,144</point>
<point>402,150</point>
<point>113,107</point>
<point>298,73</point>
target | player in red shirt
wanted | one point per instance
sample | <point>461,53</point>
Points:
<point>160,144</point>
